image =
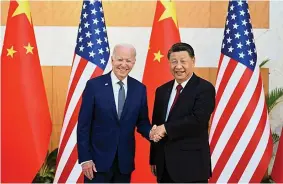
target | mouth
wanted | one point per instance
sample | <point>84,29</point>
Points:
<point>179,72</point>
<point>122,70</point>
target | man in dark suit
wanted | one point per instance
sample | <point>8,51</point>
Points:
<point>182,110</point>
<point>113,105</point>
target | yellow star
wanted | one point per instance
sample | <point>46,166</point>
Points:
<point>23,7</point>
<point>29,48</point>
<point>170,11</point>
<point>158,56</point>
<point>11,52</point>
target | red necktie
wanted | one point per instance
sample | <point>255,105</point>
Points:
<point>179,88</point>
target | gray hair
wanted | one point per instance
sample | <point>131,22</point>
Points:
<point>125,45</point>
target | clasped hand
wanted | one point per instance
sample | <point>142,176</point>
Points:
<point>157,133</point>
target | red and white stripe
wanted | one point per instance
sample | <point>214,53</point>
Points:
<point>240,139</point>
<point>68,169</point>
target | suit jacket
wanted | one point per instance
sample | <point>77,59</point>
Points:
<point>100,134</point>
<point>185,150</point>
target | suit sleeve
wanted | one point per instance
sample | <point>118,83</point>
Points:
<point>154,120</point>
<point>195,123</point>
<point>143,124</point>
<point>84,124</point>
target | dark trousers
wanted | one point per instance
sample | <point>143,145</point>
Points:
<point>165,178</point>
<point>113,176</point>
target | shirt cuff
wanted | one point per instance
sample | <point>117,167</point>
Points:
<point>86,162</point>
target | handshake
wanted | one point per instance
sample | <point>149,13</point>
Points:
<point>157,133</point>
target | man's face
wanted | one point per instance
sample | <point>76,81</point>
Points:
<point>181,65</point>
<point>123,61</point>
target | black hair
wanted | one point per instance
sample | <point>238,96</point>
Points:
<point>177,47</point>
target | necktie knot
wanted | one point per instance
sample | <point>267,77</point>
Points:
<point>179,88</point>
<point>121,83</point>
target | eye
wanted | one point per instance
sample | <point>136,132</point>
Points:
<point>173,62</point>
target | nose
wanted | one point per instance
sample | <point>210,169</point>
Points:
<point>124,62</point>
<point>178,66</point>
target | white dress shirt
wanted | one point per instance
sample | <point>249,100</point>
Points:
<point>173,94</point>
<point>116,87</point>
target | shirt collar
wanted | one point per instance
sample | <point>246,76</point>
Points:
<point>115,80</point>
<point>183,84</point>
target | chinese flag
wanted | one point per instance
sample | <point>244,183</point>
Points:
<point>277,169</point>
<point>26,122</point>
<point>165,33</point>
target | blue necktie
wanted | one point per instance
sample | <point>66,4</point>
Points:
<point>121,98</point>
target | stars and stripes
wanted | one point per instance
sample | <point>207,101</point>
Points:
<point>240,137</point>
<point>92,42</point>
<point>238,42</point>
<point>90,59</point>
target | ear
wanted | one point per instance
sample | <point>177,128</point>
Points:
<point>194,60</point>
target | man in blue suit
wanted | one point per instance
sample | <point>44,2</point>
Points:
<point>112,106</point>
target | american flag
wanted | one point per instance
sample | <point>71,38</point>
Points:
<point>240,137</point>
<point>90,59</point>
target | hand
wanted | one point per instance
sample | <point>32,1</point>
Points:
<point>153,169</point>
<point>88,169</point>
<point>156,133</point>
<point>160,130</point>
<point>151,133</point>
<point>153,136</point>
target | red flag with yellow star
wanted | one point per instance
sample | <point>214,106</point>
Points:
<point>26,121</point>
<point>164,34</point>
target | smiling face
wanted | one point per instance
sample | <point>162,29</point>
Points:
<point>123,60</point>
<point>181,65</point>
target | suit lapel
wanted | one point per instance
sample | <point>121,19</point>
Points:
<point>166,98</point>
<point>110,94</point>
